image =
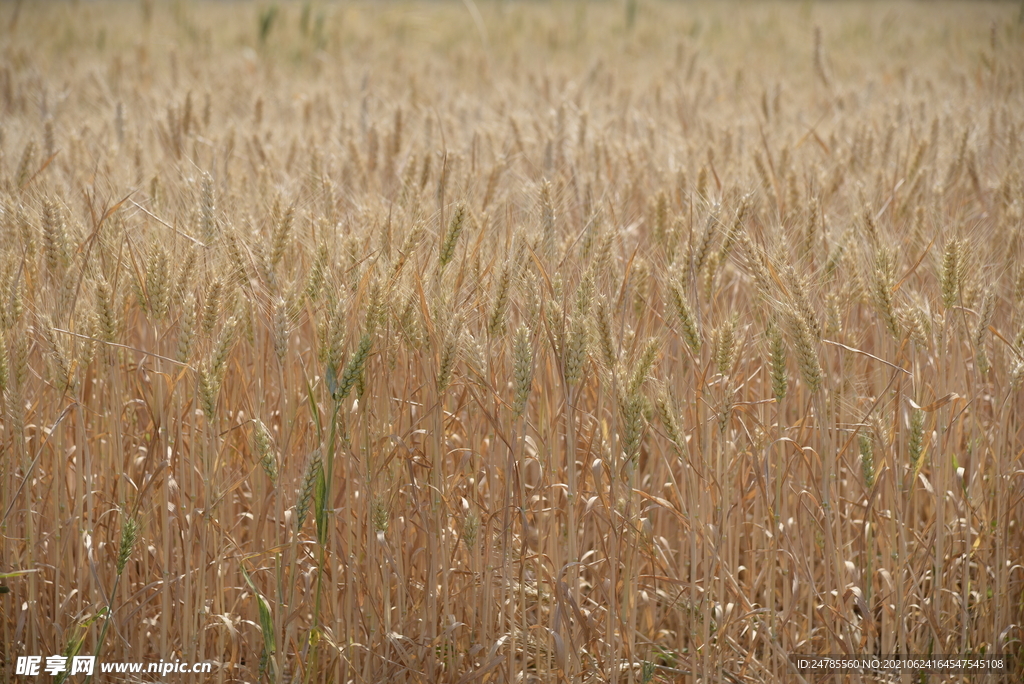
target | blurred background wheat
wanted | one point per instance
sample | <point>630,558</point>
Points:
<point>486,342</point>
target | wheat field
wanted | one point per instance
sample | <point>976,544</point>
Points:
<point>621,342</point>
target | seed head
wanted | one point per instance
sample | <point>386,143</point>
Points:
<point>523,355</point>
<point>689,322</point>
<point>496,321</point>
<point>451,236</point>
<point>450,349</point>
<point>207,218</point>
<point>314,470</point>
<point>106,316</point>
<point>950,276</point>
<point>354,369</point>
<point>186,329</point>
<point>129,535</point>
<point>915,444</point>
<point>867,460</point>
<point>263,447</point>
<point>575,349</point>
<point>777,353</point>
<point>988,309</point>
<point>602,320</point>
<point>882,289</point>
<point>805,347</point>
